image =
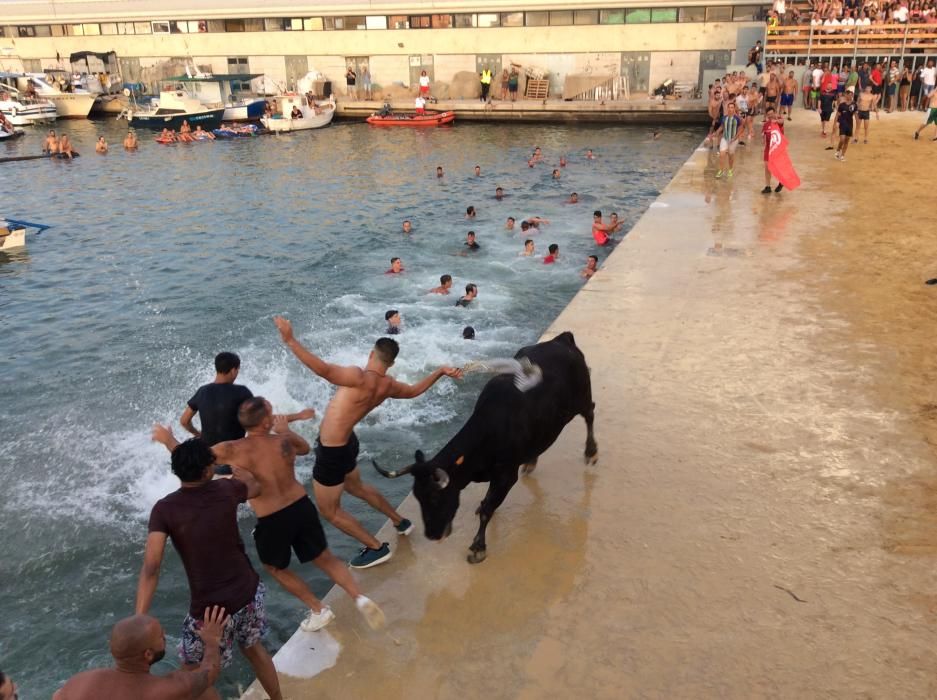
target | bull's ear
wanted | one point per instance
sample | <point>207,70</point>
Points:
<point>420,457</point>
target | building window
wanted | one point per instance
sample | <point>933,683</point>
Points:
<point>398,22</point>
<point>59,30</point>
<point>637,16</point>
<point>142,28</point>
<point>611,17</point>
<point>561,17</point>
<point>746,13</point>
<point>160,27</point>
<point>719,14</point>
<point>692,14</point>
<point>512,19</point>
<point>330,23</point>
<point>442,21</point>
<point>125,27</point>
<point>239,65</point>
<point>464,21</point>
<point>91,29</point>
<point>253,25</point>
<point>536,19</point>
<point>488,20</point>
<point>73,30</point>
<point>664,14</point>
<point>313,24</point>
<point>352,23</point>
<point>109,28</point>
<point>376,22</point>
<point>420,22</point>
<point>586,17</point>
<point>24,31</point>
<point>234,25</point>
<point>275,25</point>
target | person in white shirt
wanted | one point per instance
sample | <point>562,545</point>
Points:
<point>424,84</point>
<point>928,79</point>
<point>420,105</point>
<point>901,14</point>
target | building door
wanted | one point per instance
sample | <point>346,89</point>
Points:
<point>130,70</point>
<point>493,63</point>
<point>418,64</point>
<point>712,61</point>
<point>745,39</point>
<point>636,66</point>
<point>296,68</point>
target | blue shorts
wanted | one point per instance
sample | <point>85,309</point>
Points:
<point>787,100</point>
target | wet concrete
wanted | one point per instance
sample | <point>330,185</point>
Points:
<point>761,519</point>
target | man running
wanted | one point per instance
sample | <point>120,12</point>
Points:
<point>845,116</point>
<point>728,135</point>
<point>931,115</point>
<point>137,643</point>
<point>336,469</point>
<point>286,517</point>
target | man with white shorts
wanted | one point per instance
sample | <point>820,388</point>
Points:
<point>728,132</point>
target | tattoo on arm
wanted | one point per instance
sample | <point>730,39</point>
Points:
<point>286,447</point>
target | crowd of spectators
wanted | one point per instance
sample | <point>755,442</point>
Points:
<point>843,15</point>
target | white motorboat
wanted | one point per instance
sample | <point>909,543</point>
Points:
<point>99,74</point>
<point>69,105</point>
<point>314,116</point>
<point>219,91</point>
<point>21,110</point>
<point>172,109</point>
<point>13,233</point>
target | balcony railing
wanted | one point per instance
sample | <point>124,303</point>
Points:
<point>895,40</point>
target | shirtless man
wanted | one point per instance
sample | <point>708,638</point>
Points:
<point>509,225</point>
<point>51,143</point>
<point>137,643</point>
<point>772,90</point>
<point>286,517</point>
<point>931,116</point>
<point>100,146</point>
<point>445,282</point>
<point>788,94</point>
<point>336,469</point>
<point>528,251</point>
<point>130,141</point>
<point>573,199</point>
<point>590,269</point>
<point>407,226</point>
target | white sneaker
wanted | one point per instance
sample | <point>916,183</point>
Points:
<point>373,615</point>
<point>315,621</point>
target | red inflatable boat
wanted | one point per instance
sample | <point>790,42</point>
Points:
<point>428,119</point>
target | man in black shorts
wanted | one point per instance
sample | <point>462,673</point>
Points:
<point>336,470</point>
<point>845,116</point>
<point>217,406</point>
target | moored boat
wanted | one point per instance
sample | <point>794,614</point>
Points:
<point>219,91</point>
<point>13,233</point>
<point>428,119</point>
<point>171,109</point>
<point>68,105</point>
<point>21,110</point>
<point>307,115</point>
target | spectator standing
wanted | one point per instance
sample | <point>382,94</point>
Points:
<point>424,84</point>
<point>505,79</point>
<point>877,85</point>
<point>755,54</point>
<point>892,89</point>
<point>350,79</point>
<point>904,88</point>
<point>366,82</point>
<point>928,80</point>
<point>915,93</point>
<point>513,79</point>
<point>485,79</point>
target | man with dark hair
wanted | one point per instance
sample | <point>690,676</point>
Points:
<point>396,267</point>
<point>445,282</point>
<point>554,253</point>
<point>336,468</point>
<point>470,244</point>
<point>7,688</point>
<point>468,333</point>
<point>137,643</point>
<point>196,517</point>
<point>217,406</point>
<point>499,193</point>
<point>509,224</point>
<point>393,322</point>
<point>471,291</point>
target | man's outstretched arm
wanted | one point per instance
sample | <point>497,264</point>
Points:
<point>335,374</point>
<point>411,391</point>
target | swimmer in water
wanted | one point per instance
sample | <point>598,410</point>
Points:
<point>51,143</point>
<point>510,224</point>
<point>393,322</point>
<point>478,171</point>
<point>600,230</point>
<point>528,251</point>
<point>203,135</point>
<point>445,284</point>
<point>589,154</point>
<point>407,226</point>
<point>396,267</point>
<point>591,264</point>
<point>470,212</point>
<point>556,174</point>
<point>537,156</point>
<point>130,141</point>
<point>562,161</point>
<point>573,199</point>
<point>615,223</point>
<point>438,171</point>
<point>100,146</point>
<point>553,256</point>
<point>530,163</point>
<point>470,244</point>
<point>471,292</point>
<point>499,193</point>
<point>468,333</point>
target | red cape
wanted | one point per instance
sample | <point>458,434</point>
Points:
<point>776,157</point>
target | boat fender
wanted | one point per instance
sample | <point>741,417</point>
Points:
<point>126,92</point>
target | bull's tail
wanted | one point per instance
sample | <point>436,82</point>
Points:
<point>527,375</point>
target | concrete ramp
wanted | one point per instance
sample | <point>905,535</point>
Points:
<point>578,84</point>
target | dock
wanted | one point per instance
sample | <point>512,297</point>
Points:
<point>640,110</point>
<point>760,522</point>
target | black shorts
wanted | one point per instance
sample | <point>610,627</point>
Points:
<point>334,463</point>
<point>876,89</point>
<point>771,99</point>
<point>295,527</point>
<point>845,130</point>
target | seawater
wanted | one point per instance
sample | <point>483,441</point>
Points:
<point>159,259</point>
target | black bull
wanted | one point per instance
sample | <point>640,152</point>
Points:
<point>508,429</point>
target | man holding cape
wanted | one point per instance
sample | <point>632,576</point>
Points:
<point>777,162</point>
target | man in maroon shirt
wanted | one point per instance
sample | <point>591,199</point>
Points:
<point>201,520</point>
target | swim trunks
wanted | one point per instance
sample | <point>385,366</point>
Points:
<point>787,100</point>
<point>864,114</point>
<point>771,99</point>
<point>297,526</point>
<point>247,627</point>
<point>727,146</point>
<point>334,463</point>
<point>931,117</point>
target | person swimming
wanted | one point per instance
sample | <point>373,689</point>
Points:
<point>562,161</point>
<point>468,333</point>
<point>573,199</point>
<point>509,225</point>
<point>445,283</point>
<point>130,141</point>
<point>478,171</point>
<point>499,193</point>
<point>471,292</point>
<point>528,251</point>
<point>589,154</point>
<point>407,226</point>
<point>392,317</point>
<point>553,256</point>
<point>592,263</point>
<point>470,244</point>
<point>396,267</point>
<point>470,212</point>
<point>556,174</point>
<point>439,172</point>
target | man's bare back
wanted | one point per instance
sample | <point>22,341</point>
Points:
<point>111,682</point>
<point>271,460</point>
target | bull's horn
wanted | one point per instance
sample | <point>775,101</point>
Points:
<point>391,475</point>
<point>440,478</point>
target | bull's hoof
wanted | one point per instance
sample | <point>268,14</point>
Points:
<point>592,459</point>
<point>477,556</point>
<point>528,468</point>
